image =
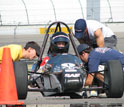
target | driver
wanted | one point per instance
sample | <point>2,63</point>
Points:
<point>96,57</point>
<point>59,44</point>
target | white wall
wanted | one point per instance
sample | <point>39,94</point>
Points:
<point>112,10</point>
<point>13,12</point>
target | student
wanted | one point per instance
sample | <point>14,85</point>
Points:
<point>30,51</point>
<point>94,33</point>
<point>96,57</point>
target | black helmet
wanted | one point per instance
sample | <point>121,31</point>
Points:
<point>59,37</point>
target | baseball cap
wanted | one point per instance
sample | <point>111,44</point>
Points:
<point>82,47</point>
<point>80,26</point>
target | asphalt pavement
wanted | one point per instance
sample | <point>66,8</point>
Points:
<point>37,98</point>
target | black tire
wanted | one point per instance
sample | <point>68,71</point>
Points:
<point>21,76</point>
<point>113,77</point>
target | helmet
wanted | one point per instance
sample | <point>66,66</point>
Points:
<point>59,37</point>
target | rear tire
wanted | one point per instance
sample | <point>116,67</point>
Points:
<point>21,76</point>
<point>114,79</point>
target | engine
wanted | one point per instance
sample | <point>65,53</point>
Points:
<point>72,80</point>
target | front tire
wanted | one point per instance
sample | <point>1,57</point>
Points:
<point>114,79</point>
<point>21,77</point>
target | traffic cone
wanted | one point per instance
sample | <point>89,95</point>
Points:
<point>8,91</point>
<point>0,67</point>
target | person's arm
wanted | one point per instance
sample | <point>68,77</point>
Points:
<point>89,79</point>
<point>100,76</point>
<point>93,64</point>
<point>44,61</point>
<point>42,65</point>
<point>99,37</point>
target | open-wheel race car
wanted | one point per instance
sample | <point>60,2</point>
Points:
<point>65,74</point>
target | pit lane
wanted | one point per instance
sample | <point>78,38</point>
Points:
<point>36,98</point>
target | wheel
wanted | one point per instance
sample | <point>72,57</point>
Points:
<point>21,77</point>
<point>113,78</point>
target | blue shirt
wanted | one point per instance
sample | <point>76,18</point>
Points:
<point>100,56</point>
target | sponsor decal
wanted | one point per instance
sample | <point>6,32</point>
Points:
<point>72,75</point>
<point>52,30</point>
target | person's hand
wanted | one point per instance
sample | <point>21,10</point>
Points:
<point>46,68</point>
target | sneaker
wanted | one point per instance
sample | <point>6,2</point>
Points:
<point>102,95</point>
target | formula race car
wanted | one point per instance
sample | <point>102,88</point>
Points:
<point>65,74</point>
